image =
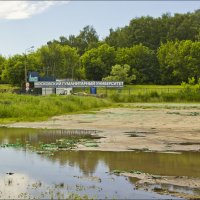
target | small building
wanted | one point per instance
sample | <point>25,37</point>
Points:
<point>48,91</point>
<point>63,91</point>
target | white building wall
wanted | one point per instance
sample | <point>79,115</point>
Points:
<point>63,91</point>
<point>48,91</point>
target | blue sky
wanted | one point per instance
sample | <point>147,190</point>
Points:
<point>33,23</point>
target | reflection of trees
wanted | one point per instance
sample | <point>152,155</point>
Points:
<point>34,136</point>
<point>86,161</point>
<point>186,164</point>
<point>51,135</point>
<point>12,134</point>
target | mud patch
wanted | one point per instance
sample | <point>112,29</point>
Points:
<point>174,190</point>
<point>179,186</point>
<point>139,150</point>
<point>139,133</point>
<point>84,122</point>
<point>186,143</point>
<point>174,113</point>
<point>132,134</point>
<point>185,114</point>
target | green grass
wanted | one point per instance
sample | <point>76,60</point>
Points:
<point>181,95</point>
<point>15,107</point>
<point>8,87</point>
<point>152,93</point>
<point>136,89</point>
<point>154,86</point>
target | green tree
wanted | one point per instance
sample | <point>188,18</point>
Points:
<point>120,73</point>
<point>60,61</point>
<point>85,40</point>
<point>14,68</point>
<point>178,61</point>
<point>14,71</point>
<point>143,63</point>
<point>151,32</point>
<point>2,65</point>
<point>97,62</point>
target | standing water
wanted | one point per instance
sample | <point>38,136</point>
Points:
<point>26,173</point>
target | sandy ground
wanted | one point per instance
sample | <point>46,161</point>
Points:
<point>158,127</point>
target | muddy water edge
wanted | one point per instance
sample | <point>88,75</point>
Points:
<point>36,166</point>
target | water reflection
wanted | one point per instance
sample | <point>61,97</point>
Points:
<point>185,164</point>
<point>34,136</point>
<point>42,177</point>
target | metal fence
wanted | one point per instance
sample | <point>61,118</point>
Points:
<point>134,91</point>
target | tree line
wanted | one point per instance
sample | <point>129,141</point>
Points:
<point>163,50</point>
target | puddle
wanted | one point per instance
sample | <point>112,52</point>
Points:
<point>31,175</point>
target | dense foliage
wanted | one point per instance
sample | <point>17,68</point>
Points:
<point>163,50</point>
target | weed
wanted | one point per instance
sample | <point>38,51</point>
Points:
<point>174,113</point>
<point>117,172</point>
<point>136,172</point>
<point>91,145</point>
<point>194,114</point>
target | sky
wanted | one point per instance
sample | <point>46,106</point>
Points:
<point>33,23</point>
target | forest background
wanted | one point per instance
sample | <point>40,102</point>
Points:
<point>162,51</point>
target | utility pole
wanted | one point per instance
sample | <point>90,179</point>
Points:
<point>25,65</point>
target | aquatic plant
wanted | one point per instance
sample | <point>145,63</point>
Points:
<point>66,143</point>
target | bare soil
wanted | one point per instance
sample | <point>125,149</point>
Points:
<point>153,127</point>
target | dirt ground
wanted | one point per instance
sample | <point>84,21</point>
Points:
<point>154,127</point>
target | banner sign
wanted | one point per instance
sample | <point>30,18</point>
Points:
<point>72,84</point>
<point>33,77</point>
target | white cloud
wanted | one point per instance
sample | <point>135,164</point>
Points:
<point>24,9</point>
